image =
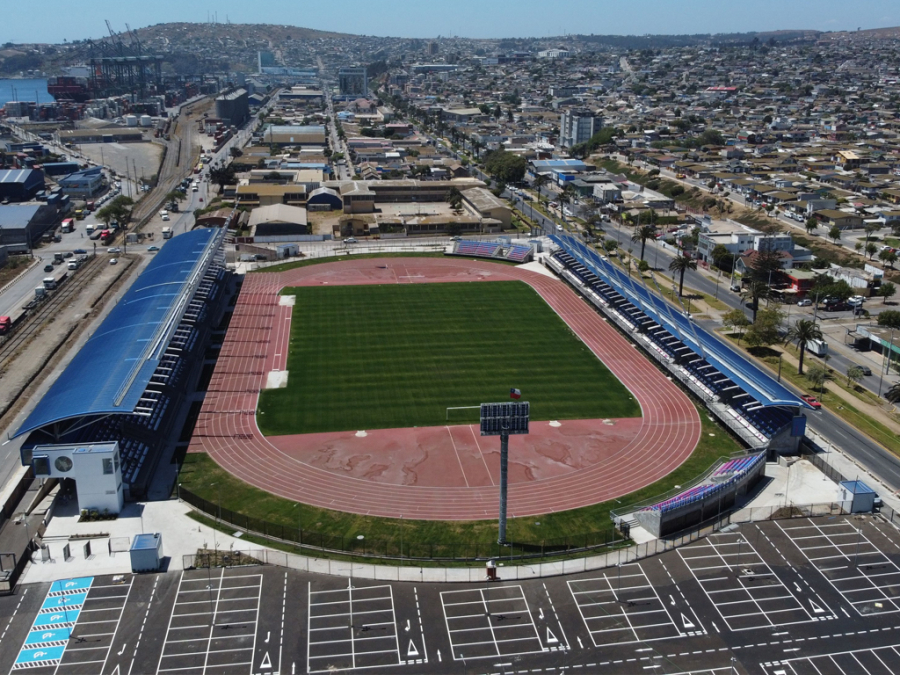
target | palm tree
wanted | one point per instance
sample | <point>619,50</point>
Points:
<point>540,181</point>
<point>642,234</point>
<point>682,264</point>
<point>893,394</point>
<point>802,332</point>
<point>756,290</point>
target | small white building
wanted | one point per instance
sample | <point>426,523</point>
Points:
<point>95,468</point>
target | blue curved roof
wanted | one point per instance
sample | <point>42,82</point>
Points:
<point>742,371</point>
<point>112,370</point>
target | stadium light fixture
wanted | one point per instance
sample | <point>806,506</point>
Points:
<point>503,419</point>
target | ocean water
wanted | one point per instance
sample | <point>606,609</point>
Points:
<point>24,90</point>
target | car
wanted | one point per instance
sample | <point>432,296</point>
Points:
<point>153,249</point>
<point>194,189</point>
<point>680,176</point>
<point>856,300</point>
<point>67,254</point>
<point>455,238</point>
<point>113,261</point>
<point>736,288</point>
<point>79,251</point>
<point>812,400</point>
<point>48,268</point>
<point>806,302</point>
<point>350,240</point>
<point>865,369</point>
<point>114,249</point>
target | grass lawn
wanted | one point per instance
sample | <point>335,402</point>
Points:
<point>388,356</point>
<point>419,538</point>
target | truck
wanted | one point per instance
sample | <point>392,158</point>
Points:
<point>817,347</point>
<point>94,234</point>
<point>80,214</point>
<point>167,232</point>
<point>5,325</point>
<point>88,228</point>
<point>105,236</point>
<point>68,225</point>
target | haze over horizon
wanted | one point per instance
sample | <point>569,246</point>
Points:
<point>466,18</point>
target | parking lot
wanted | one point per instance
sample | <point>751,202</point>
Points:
<point>774,598</point>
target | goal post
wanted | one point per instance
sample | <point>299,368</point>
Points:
<point>460,407</point>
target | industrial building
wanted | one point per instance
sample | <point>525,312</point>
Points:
<point>20,185</point>
<point>278,223</point>
<point>22,225</point>
<point>353,82</point>
<point>83,183</point>
<point>577,126</point>
<point>313,134</point>
<point>233,108</point>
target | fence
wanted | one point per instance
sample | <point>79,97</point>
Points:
<point>417,573</point>
<point>396,548</point>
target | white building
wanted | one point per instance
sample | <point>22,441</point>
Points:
<point>577,126</point>
<point>95,468</point>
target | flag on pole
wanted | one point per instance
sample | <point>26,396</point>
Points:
<point>515,393</point>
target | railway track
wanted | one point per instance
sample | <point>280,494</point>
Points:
<point>36,319</point>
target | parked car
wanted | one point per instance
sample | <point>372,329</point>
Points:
<point>79,251</point>
<point>114,249</point>
<point>153,249</point>
<point>812,400</point>
<point>113,261</point>
<point>806,302</point>
<point>856,300</point>
<point>350,240</point>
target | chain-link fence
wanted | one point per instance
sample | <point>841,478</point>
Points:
<point>411,570</point>
<point>396,548</point>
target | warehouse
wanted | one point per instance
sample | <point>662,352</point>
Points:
<point>278,223</point>
<point>233,108</point>
<point>20,185</point>
<point>21,225</point>
<point>313,134</point>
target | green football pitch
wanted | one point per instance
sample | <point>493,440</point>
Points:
<point>380,357</point>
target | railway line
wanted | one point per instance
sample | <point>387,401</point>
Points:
<point>32,323</point>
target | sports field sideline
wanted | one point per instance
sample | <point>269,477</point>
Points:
<point>390,356</point>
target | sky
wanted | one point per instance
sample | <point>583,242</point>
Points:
<point>55,20</point>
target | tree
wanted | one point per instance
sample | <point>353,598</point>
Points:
<point>505,166</point>
<point>736,319</point>
<point>884,255</point>
<point>611,245</point>
<point>642,234</point>
<point>682,264</point>
<point>119,210</point>
<point>765,263</point>
<point>816,375</point>
<point>887,290</point>
<point>811,225</point>
<point>834,234</point>
<point>176,196</point>
<point>540,181</point>
<point>765,329</point>
<point>455,199</point>
<point>889,318</point>
<point>871,249</point>
<point>222,176</point>
<point>893,394</point>
<point>802,332</point>
<point>756,291</point>
<point>719,254</point>
<point>854,374</point>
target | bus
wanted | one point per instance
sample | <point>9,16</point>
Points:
<point>68,225</point>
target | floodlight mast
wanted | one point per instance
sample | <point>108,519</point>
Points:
<point>504,475</point>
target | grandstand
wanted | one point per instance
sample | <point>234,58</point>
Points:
<point>711,495</point>
<point>744,397</point>
<point>130,377</point>
<point>495,250</point>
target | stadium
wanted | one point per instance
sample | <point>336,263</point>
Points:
<point>352,386</point>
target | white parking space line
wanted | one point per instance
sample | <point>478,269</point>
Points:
<point>856,568</point>
<point>491,622</point>
<point>220,636</point>
<point>874,661</point>
<point>622,607</point>
<point>114,604</point>
<point>743,588</point>
<point>351,628</point>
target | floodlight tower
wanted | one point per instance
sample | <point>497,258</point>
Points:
<point>503,419</point>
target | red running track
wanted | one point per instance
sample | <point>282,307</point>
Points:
<point>435,474</point>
